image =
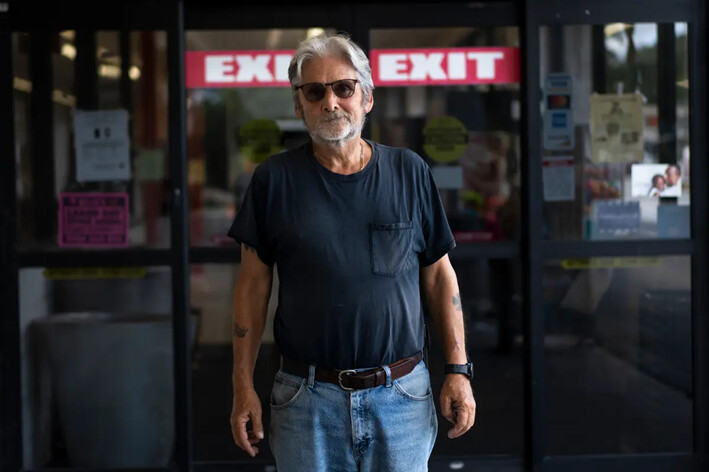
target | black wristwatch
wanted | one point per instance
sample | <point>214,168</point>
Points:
<point>465,369</point>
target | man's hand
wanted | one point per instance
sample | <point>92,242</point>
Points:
<point>246,407</point>
<point>458,404</point>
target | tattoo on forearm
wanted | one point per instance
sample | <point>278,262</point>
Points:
<point>456,303</point>
<point>249,248</point>
<point>239,331</point>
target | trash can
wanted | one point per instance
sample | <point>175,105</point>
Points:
<point>112,384</point>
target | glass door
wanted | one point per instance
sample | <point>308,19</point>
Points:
<point>618,172</point>
<point>239,112</point>
<point>455,101</point>
<point>448,87</point>
<point>95,280</point>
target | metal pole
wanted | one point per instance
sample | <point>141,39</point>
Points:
<point>179,235</point>
<point>700,232</point>
<point>531,242</point>
<point>10,373</point>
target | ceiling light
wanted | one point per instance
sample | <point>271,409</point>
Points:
<point>68,35</point>
<point>312,32</point>
<point>134,73</point>
<point>64,98</point>
<point>109,71</point>
<point>68,51</point>
<point>23,85</point>
<point>613,28</point>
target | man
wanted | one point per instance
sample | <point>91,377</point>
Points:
<point>672,175</point>
<point>673,183</point>
<point>357,231</point>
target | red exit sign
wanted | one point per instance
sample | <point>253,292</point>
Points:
<point>390,67</point>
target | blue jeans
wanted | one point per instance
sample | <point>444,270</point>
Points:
<point>318,426</point>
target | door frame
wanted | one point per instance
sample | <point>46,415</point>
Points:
<point>529,15</point>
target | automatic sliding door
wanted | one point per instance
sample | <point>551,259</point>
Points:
<point>452,95</point>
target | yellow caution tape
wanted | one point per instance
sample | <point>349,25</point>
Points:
<point>94,272</point>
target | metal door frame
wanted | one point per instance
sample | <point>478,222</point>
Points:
<point>174,18</point>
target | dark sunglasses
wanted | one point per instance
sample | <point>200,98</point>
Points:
<point>315,91</point>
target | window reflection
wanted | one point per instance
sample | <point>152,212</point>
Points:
<point>45,134</point>
<point>625,174</point>
<point>230,130</point>
<point>618,356</point>
<point>478,175</point>
<point>97,367</point>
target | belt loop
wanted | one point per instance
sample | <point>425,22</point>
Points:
<point>387,370</point>
<point>311,375</point>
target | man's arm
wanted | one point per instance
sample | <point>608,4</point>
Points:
<point>253,289</point>
<point>440,287</point>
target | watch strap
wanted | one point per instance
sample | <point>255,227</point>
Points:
<point>465,369</point>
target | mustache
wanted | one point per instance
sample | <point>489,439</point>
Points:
<point>336,116</point>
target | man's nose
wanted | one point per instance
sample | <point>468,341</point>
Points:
<point>329,101</point>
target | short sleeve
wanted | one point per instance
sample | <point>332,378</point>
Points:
<point>437,234</point>
<point>249,225</point>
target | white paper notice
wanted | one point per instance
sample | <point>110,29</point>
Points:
<point>558,178</point>
<point>448,177</point>
<point>102,145</point>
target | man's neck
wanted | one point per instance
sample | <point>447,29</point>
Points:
<point>345,159</point>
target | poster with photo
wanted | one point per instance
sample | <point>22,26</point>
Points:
<point>656,180</point>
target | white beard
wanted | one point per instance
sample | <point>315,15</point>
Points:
<point>335,132</point>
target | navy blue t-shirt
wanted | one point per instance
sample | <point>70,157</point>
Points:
<point>347,249</point>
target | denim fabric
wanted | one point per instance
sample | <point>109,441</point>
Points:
<point>317,426</point>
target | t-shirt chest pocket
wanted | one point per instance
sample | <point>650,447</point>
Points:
<point>391,247</point>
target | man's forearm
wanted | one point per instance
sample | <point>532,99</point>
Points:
<point>247,331</point>
<point>443,298</point>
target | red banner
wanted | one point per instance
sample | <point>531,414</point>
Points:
<point>204,69</point>
<point>445,66</point>
<point>390,67</point>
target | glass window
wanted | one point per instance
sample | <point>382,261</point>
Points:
<point>452,95</point>
<point>97,367</point>
<point>49,171</point>
<point>615,144</point>
<point>109,69</point>
<point>618,355</point>
<point>232,126</point>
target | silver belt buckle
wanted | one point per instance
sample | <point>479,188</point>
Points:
<point>339,379</point>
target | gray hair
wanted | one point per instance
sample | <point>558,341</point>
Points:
<point>324,45</point>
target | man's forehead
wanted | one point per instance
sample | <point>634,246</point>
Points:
<point>330,68</point>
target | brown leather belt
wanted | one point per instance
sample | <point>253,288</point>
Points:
<point>351,379</point>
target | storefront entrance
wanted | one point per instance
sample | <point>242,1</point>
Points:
<point>568,143</point>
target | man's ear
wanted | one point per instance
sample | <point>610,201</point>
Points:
<point>298,111</point>
<point>370,104</point>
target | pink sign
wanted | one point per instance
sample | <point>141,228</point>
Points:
<point>445,66</point>
<point>93,219</point>
<point>237,69</point>
<point>390,67</point>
